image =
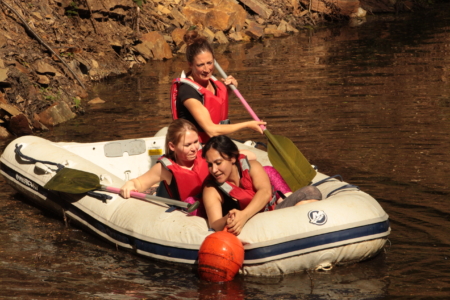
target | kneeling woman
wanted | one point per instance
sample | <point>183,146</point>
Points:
<point>240,188</point>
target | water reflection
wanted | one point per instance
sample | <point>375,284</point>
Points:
<point>370,103</point>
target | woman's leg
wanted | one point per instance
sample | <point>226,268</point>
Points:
<point>276,180</point>
<point>305,193</point>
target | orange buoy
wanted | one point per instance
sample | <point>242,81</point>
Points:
<point>220,257</point>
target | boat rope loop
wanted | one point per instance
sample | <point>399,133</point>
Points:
<point>346,186</point>
<point>326,179</point>
<point>17,151</point>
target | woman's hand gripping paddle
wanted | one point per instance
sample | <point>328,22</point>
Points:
<point>283,154</point>
<point>74,181</point>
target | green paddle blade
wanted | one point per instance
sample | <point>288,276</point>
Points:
<point>73,181</point>
<point>289,161</point>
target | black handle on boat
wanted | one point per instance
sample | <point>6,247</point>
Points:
<point>18,152</point>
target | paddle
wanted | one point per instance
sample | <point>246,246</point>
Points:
<point>74,181</point>
<point>285,157</point>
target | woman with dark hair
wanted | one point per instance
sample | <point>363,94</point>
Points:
<point>200,98</point>
<point>240,188</point>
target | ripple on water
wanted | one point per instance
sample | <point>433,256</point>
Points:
<point>371,103</point>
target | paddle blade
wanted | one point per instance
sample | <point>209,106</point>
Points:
<point>287,159</point>
<point>73,181</point>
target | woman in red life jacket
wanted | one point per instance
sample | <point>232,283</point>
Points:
<point>182,168</point>
<point>240,188</point>
<point>200,98</point>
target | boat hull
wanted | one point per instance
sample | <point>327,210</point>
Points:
<point>348,226</point>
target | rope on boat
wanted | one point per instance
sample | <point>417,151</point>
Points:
<point>346,186</point>
<point>17,151</point>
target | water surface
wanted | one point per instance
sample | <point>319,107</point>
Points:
<point>371,103</point>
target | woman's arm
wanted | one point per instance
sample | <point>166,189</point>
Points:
<point>261,183</point>
<point>156,174</point>
<point>203,118</point>
<point>212,200</point>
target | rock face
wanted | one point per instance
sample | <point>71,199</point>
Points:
<point>218,14</point>
<point>339,7</point>
<point>3,72</point>
<point>42,67</point>
<point>51,49</point>
<point>96,100</point>
<point>258,7</point>
<point>56,114</point>
<point>154,46</point>
<point>19,125</point>
<point>4,133</point>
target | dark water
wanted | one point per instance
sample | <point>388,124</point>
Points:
<point>371,103</point>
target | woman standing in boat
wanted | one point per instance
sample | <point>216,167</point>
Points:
<point>240,188</point>
<point>182,168</point>
<point>202,99</point>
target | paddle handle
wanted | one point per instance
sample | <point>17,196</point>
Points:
<point>239,95</point>
<point>147,197</point>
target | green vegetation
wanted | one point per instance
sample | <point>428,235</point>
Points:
<point>140,2</point>
<point>72,9</point>
<point>66,54</point>
<point>76,102</point>
<point>49,95</point>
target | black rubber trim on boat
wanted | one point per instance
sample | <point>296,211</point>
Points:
<point>326,179</point>
<point>307,243</point>
<point>23,180</point>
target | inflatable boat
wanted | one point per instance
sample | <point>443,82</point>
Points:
<point>348,225</point>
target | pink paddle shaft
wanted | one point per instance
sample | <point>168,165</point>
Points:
<point>238,94</point>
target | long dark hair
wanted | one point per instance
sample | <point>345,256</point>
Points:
<point>222,144</point>
<point>196,44</point>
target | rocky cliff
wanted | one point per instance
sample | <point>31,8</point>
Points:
<point>50,50</point>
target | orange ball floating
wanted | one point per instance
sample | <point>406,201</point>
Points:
<point>220,257</point>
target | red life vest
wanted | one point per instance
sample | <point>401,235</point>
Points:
<point>217,105</point>
<point>189,182</point>
<point>245,193</point>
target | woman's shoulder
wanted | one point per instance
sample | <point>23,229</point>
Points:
<point>185,86</point>
<point>185,91</point>
<point>254,163</point>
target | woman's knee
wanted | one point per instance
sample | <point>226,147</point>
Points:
<point>312,192</point>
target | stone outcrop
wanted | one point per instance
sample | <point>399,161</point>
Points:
<point>154,46</point>
<point>217,14</point>
<point>57,113</point>
<point>339,7</point>
<point>96,100</point>
<point>258,7</point>
<point>51,49</point>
